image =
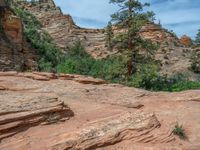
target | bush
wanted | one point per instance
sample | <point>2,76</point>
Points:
<point>195,66</point>
<point>145,76</point>
<point>179,131</point>
<point>173,83</point>
<point>77,61</point>
<point>49,53</point>
<point>45,65</point>
<point>114,69</point>
<point>80,62</point>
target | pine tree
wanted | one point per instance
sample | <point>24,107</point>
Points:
<point>109,36</point>
<point>131,18</point>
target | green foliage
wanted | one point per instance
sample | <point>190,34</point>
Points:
<point>179,131</point>
<point>114,69</point>
<point>45,65</point>
<point>145,76</point>
<point>109,36</point>
<point>50,54</point>
<point>131,18</point>
<point>197,39</point>
<point>173,83</point>
<point>79,62</point>
<point>195,66</point>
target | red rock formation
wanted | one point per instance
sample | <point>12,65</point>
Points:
<point>158,35</point>
<point>106,116</point>
<point>186,40</point>
<point>15,52</point>
<point>13,28</point>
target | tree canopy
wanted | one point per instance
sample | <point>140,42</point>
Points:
<point>131,17</point>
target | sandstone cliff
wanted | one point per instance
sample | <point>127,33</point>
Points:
<point>172,54</point>
<point>15,52</point>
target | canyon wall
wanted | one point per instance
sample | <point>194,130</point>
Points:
<point>15,52</point>
<point>174,56</point>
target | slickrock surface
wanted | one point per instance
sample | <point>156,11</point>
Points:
<point>45,111</point>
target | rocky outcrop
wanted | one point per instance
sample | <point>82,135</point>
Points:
<point>159,35</point>
<point>174,54</point>
<point>20,112</point>
<point>109,132</point>
<point>22,109</point>
<point>15,52</point>
<point>46,111</point>
<point>63,30</point>
<point>186,41</point>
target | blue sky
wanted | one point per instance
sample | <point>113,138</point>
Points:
<point>181,16</point>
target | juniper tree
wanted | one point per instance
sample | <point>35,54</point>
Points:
<point>131,18</point>
<point>109,35</point>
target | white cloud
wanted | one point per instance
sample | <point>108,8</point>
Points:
<point>182,16</point>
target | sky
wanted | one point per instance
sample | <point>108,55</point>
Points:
<point>181,16</point>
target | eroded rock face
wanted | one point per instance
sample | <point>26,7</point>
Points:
<point>13,28</point>
<point>63,30</point>
<point>159,35</point>
<point>102,116</point>
<point>15,52</point>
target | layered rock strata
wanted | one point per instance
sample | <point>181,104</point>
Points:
<point>173,55</point>
<point>102,116</point>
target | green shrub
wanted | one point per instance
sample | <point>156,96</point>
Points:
<point>195,66</point>
<point>145,76</point>
<point>179,131</point>
<point>45,65</point>
<point>114,69</point>
<point>49,53</point>
<point>78,61</point>
<point>173,83</point>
